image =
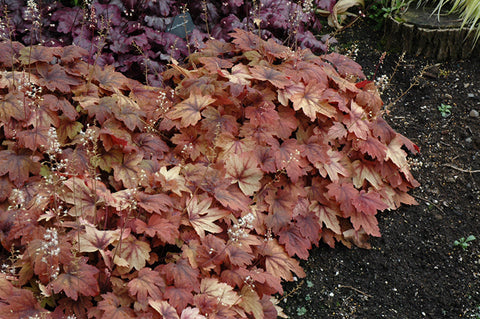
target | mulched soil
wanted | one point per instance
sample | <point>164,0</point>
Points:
<point>414,270</point>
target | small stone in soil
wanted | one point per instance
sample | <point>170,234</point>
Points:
<point>473,113</point>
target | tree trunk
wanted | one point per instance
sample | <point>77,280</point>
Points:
<point>420,33</point>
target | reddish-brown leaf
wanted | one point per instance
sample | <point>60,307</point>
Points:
<point>369,203</point>
<point>344,194</point>
<point>37,53</point>
<point>18,166</point>
<point>202,217</point>
<point>365,171</point>
<point>11,106</point>
<point>337,165</point>
<point>372,147</point>
<point>315,150</point>
<point>310,227</point>
<point>34,138</point>
<point>115,307</point>
<point>151,145</point>
<point>114,134</point>
<point>191,313</point>
<point>232,197</point>
<point>213,64</point>
<point>278,263</point>
<point>399,156</point>
<point>240,75</point>
<point>18,303</point>
<point>127,171</point>
<point>290,156</point>
<point>100,108</point>
<point>79,279</point>
<point>129,112</point>
<point>154,203</point>
<point>189,110</point>
<point>54,103</point>
<point>245,40</point>
<point>132,253</point>
<point>344,65</point>
<point>294,241</point>
<point>163,308</point>
<point>280,209</point>
<point>165,229</point>
<point>219,291</point>
<point>84,195</point>
<point>182,274</point>
<point>9,52</point>
<point>96,240</point>
<point>110,80</point>
<point>357,121</point>
<point>381,129</point>
<point>311,102</point>
<point>54,78</point>
<point>179,298</point>
<point>368,223</point>
<point>71,53</point>
<point>369,98</point>
<point>265,73</point>
<point>262,113</point>
<point>239,256</point>
<point>148,284</point>
<point>243,169</point>
<point>68,129</point>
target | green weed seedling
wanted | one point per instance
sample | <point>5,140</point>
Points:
<point>301,311</point>
<point>464,242</point>
<point>445,109</point>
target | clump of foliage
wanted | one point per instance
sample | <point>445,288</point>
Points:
<point>464,242</point>
<point>133,35</point>
<point>121,200</point>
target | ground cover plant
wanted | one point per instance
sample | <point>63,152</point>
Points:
<point>125,200</point>
<point>135,37</point>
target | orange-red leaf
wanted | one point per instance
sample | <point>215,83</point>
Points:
<point>18,166</point>
<point>11,106</point>
<point>264,73</point>
<point>278,263</point>
<point>54,78</point>
<point>344,194</point>
<point>243,169</point>
<point>369,203</point>
<point>220,291</point>
<point>149,283</point>
<point>182,274</point>
<point>132,253</point>
<point>163,308</point>
<point>366,222</point>
<point>115,307</point>
<point>202,217</point>
<point>311,102</point>
<point>127,171</point>
<point>79,279</point>
<point>294,241</point>
<point>189,111</point>
<point>165,229</point>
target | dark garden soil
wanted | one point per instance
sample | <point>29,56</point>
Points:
<point>414,270</point>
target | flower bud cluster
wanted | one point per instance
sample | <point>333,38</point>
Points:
<point>33,14</point>
<point>241,228</point>
<point>17,199</point>
<point>50,248</point>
